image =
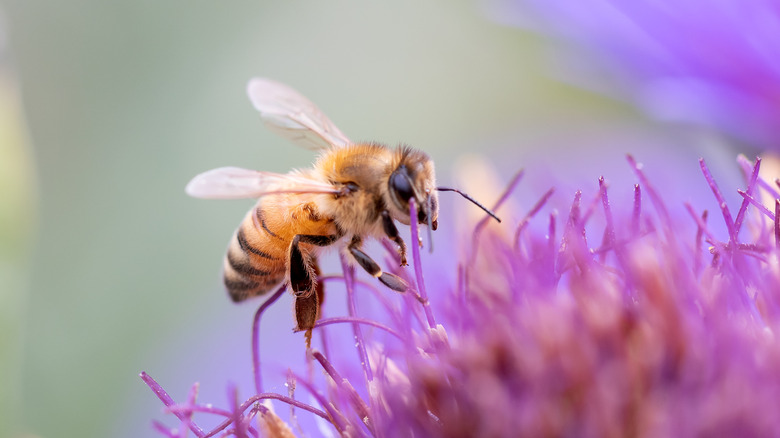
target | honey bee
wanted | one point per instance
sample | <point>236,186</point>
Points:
<point>354,191</point>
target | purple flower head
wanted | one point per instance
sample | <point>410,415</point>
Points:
<point>637,318</point>
<point>713,63</point>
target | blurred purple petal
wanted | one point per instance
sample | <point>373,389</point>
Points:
<point>713,63</point>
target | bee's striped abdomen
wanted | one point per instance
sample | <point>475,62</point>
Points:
<point>255,260</point>
<point>258,255</point>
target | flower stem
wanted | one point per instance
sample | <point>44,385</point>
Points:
<point>256,338</point>
<point>530,215</point>
<point>750,188</point>
<point>191,399</point>
<point>168,402</point>
<point>274,396</point>
<point>349,281</point>
<point>418,265</point>
<point>637,213</point>
<point>724,208</point>
<point>361,408</point>
<point>655,198</point>
<point>331,414</point>
<point>484,221</point>
<point>777,223</point>
<point>351,319</point>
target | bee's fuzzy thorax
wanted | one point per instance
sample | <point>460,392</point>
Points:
<point>369,166</point>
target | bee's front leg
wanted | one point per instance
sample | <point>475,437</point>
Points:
<point>392,281</point>
<point>392,232</point>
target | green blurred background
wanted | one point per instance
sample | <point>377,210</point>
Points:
<point>108,108</point>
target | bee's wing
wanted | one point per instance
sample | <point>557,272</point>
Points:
<point>235,183</point>
<point>293,116</point>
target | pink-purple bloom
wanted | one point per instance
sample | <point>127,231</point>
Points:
<point>638,318</point>
<point>711,63</point>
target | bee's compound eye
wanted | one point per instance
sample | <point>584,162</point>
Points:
<point>400,184</point>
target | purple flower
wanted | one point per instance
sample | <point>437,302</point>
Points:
<point>712,63</point>
<point>612,319</point>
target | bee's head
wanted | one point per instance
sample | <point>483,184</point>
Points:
<point>414,178</point>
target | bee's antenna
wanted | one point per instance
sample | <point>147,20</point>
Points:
<point>474,201</point>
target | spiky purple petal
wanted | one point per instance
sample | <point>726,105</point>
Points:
<point>649,333</point>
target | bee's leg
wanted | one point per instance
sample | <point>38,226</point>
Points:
<point>301,279</point>
<point>303,271</point>
<point>308,308</point>
<point>392,232</point>
<point>307,311</point>
<point>392,281</point>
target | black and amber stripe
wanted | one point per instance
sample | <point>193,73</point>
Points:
<point>246,247</point>
<point>243,266</point>
<point>249,271</point>
<point>259,220</point>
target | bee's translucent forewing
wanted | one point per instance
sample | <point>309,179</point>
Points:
<point>293,116</point>
<point>235,183</point>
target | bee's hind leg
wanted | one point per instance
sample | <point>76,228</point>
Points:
<point>307,311</point>
<point>301,280</point>
<point>303,274</point>
<point>392,281</point>
<point>392,232</point>
<point>302,271</point>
